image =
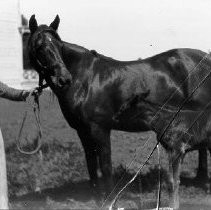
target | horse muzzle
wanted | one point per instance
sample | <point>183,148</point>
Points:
<point>61,82</point>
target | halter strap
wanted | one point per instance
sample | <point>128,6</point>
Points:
<point>36,111</point>
<point>56,36</point>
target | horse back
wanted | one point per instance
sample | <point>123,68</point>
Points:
<point>176,75</point>
<point>104,84</point>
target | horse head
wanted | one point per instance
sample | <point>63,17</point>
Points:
<point>45,52</point>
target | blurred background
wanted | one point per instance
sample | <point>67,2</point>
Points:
<point>122,29</point>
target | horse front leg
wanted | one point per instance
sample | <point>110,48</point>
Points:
<point>91,158</point>
<point>102,139</point>
<point>105,162</point>
<point>174,178</point>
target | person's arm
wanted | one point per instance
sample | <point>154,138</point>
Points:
<point>12,93</point>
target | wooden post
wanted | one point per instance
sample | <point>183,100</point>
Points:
<point>3,176</point>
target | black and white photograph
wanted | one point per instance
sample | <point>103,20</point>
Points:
<point>105,105</point>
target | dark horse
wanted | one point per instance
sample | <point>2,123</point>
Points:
<point>91,89</point>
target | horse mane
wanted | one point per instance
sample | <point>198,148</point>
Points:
<point>96,54</point>
<point>84,50</point>
<point>107,58</point>
<point>76,47</point>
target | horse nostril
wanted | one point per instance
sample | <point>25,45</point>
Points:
<point>64,81</point>
<point>61,81</point>
<point>68,81</point>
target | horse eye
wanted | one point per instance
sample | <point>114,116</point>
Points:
<point>49,39</point>
<point>41,57</point>
<point>38,48</point>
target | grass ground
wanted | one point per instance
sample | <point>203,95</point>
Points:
<point>59,179</point>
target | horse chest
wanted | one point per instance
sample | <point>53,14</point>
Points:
<point>71,113</point>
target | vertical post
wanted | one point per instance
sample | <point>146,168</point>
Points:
<point>3,176</point>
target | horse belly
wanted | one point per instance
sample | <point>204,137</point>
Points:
<point>136,127</point>
<point>132,123</point>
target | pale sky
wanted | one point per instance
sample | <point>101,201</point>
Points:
<point>128,29</point>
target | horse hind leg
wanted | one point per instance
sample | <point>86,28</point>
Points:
<point>106,165</point>
<point>209,191</point>
<point>174,178</point>
<point>202,173</point>
<point>102,139</point>
<point>202,177</point>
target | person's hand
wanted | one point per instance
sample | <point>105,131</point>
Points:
<point>32,92</point>
<point>35,92</point>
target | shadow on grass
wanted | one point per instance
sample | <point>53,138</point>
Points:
<point>204,184</point>
<point>78,191</point>
<point>144,182</point>
<point>149,181</point>
<point>81,191</point>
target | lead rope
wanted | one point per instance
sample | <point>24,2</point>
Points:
<point>36,111</point>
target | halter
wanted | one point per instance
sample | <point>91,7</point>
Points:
<point>42,69</point>
<point>56,36</point>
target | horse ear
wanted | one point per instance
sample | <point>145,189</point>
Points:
<point>55,23</point>
<point>33,24</point>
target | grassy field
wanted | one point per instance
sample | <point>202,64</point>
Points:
<point>58,178</point>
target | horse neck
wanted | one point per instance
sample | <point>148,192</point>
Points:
<point>74,56</point>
